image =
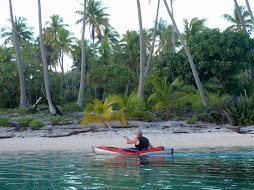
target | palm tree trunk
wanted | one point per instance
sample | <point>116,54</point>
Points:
<point>83,64</point>
<point>62,73</point>
<point>173,31</point>
<point>240,16</point>
<point>251,70</point>
<point>52,108</point>
<point>23,101</point>
<point>159,52</point>
<point>193,68</point>
<point>148,65</point>
<point>127,88</point>
<point>142,55</point>
<point>250,12</point>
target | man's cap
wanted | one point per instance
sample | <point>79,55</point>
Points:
<point>138,131</point>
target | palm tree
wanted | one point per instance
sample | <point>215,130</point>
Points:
<point>250,12</point>
<point>96,18</point>
<point>166,96</point>
<point>148,65</point>
<point>235,20</point>
<point>59,40</point>
<point>55,25</point>
<point>23,32</point>
<point>130,55</point>
<point>111,35</point>
<point>102,112</point>
<point>240,16</point>
<point>193,27</point>
<point>83,60</point>
<point>64,45</point>
<point>161,28</point>
<point>142,55</point>
<point>193,67</point>
<point>23,101</point>
<point>133,106</point>
<point>173,30</point>
<point>52,108</point>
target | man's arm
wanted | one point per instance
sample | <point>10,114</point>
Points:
<point>150,145</point>
<point>128,141</point>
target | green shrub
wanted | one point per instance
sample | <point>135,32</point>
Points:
<point>4,122</point>
<point>24,121</point>
<point>35,124</point>
<point>71,107</point>
<point>192,120</point>
<point>190,89</point>
<point>56,119</point>
<point>241,112</point>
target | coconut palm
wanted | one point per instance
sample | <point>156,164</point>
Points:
<point>173,30</point>
<point>64,46</point>
<point>23,32</point>
<point>161,28</point>
<point>111,35</point>
<point>133,106</point>
<point>193,67</point>
<point>23,101</point>
<point>59,40</point>
<point>102,112</point>
<point>235,20</point>
<point>142,55</point>
<point>83,60</point>
<point>193,27</point>
<point>240,16</point>
<point>148,65</point>
<point>166,96</point>
<point>96,18</point>
<point>52,108</point>
<point>250,12</point>
<point>129,55</point>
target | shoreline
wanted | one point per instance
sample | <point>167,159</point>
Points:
<point>177,135</point>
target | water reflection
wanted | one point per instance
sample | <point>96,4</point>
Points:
<point>134,161</point>
<point>78,170</point>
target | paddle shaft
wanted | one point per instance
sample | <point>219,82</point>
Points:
<point>116,131</point>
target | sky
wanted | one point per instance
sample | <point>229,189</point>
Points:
<point>123,13</point>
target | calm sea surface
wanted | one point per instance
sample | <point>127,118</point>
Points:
<point>187,169</point>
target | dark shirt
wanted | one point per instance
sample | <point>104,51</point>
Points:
<point>143,143</point>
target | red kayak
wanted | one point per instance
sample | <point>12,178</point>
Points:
<point>132,151</point>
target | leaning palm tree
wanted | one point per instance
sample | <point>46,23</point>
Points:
<point>102,112</point>
<point>148,65</point>
<point>240,16</point>
<point>23,102</point>
<point>83,61</point>
<point>250,12</point>
<point>193,67</point>
<point>52,108</point>
<point>173,30</point>
<point>142,55</point>
<point>235,20</point>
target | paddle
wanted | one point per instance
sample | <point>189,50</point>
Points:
<point>115,131</point>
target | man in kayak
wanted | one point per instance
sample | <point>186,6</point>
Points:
<point>141,143</point>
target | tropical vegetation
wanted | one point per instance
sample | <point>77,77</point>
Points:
<point>151,73</point>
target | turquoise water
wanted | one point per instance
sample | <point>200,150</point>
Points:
<point>187,169</point>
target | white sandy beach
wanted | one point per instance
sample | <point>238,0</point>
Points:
<point>178,135</point>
